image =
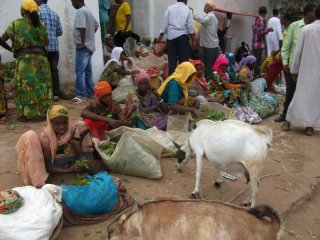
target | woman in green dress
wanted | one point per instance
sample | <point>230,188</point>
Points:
<point>32,74</point>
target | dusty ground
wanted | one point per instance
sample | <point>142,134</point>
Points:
<point>294,194</point>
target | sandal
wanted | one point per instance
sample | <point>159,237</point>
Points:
<point>309,131</point>
<point>286,126</point>
<point>78,100</point>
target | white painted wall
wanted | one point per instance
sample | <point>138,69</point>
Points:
<point>10,11</point>
<point>150,22</point>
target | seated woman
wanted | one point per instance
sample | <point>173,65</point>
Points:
<point>227,92</point>
<point>102,114</point>
<point>174,90</point>
<point>55,150</point>
<point>232,72</point>
<point>115,69</point>
<point>261,103</point>
<point>151,109</point>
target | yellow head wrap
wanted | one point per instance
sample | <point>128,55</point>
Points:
<point>212,4</point>
<point>181,75</point>
<point>57,111</point>
<point>30,6</point>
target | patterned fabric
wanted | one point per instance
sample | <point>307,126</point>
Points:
<point>226,92</point>
<point>53,24</point>
<point>32,73</point>
<point>260,25</point>
<point>10,201</point>
<point>155,118</point>
<point>111,75</point>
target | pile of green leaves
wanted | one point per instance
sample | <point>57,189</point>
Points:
<point>110,148</point>
<point>83,163</point>
<point>214,115</point>
<point>81,180</point>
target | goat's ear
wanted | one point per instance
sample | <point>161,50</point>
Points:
<point>176,144</point>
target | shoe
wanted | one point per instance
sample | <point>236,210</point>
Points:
<point>56,99</point>
<point>279,119</point>
<point>286,126</point>
<point>309,131</point>
<point>78,100</point>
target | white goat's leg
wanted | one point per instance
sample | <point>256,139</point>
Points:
<point>251,201</point>
<point>218,181</point>
<point>196,192</point>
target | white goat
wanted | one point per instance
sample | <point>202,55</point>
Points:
<point>229,145</point>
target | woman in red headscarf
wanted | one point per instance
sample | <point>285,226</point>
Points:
<point>221,86</point>
<point>102,114</point>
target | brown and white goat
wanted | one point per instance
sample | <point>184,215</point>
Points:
<point>231,145</point>
<point>192,219</point>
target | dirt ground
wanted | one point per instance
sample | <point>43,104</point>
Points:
<point>293,190</point>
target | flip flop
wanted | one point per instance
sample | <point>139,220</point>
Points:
<point>309,131</point>
<point>285,126</point>
<point>77,100</point>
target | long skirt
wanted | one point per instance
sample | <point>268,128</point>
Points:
<point>33,86</point>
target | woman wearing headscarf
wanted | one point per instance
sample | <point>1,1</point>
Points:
<point>246,68</point>
<point>232,72</point>
<point>151,108</point>
<point>222,88</point>
<point>174,90</point>
<point>29,38</point>
<point>115,69</point>
<point>55,150</point>
<point>103,114</point>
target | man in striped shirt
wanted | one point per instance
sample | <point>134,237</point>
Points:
<point>178,24</point>
<point>53,24</point>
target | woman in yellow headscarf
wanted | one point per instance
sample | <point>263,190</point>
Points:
<point>174,90</point>
<point>55,150</point>
<point>29,39</point>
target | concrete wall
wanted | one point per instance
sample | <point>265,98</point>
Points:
<point>151,22</point>
<point>10,11</point>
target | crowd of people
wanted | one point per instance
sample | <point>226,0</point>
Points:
<point>236,80</point>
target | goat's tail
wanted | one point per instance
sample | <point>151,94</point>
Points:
<point>267,214</point>
<point>266,132</point>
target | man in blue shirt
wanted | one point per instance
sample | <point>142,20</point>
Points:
<point>53,24</point>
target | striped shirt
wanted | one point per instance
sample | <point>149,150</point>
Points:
<point>53,24</point>
<point>178,20</point>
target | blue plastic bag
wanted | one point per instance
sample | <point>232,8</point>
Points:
<point>99,197</point>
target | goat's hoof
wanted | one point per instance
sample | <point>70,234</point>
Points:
<point>217,184</point>
<point>195,196</point>
<point>247,203</point>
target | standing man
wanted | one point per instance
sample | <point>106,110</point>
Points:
<point>124,28</point>
<point>104,6</point>
<point>85,26</point>
<point>274,39</point>
<point>209,41</point>
<point>227,33</point>
<point>178,24</point>
<point>304,109</point>
<point>53,24</point>
<point>287,53</point>
<point>258,41</point>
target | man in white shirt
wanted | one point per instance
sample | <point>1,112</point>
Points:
<point>178,24</point>
<point>274,39</point>
<point>209,41</point>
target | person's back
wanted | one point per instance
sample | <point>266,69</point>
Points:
<point>52,21</point>
<point>121,17</point>
<point>275,37</point>
<point>178,15</point>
